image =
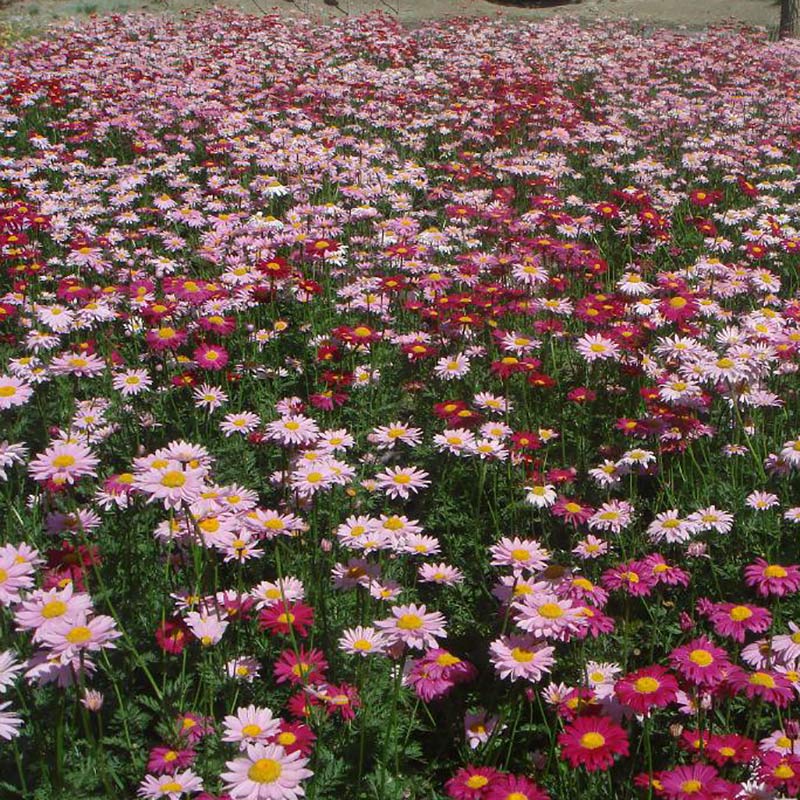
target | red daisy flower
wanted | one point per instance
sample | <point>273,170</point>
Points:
<point>516,787</point>
<point>651,687</point>
<point>302,668</point>
<point>593,742</point>
<point>282,618</point>
<point>295,737</point>
<point>471,783</point>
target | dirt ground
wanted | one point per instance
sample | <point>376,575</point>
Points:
<point>690,13</point>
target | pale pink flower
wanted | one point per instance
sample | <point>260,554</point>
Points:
<point>414,626</point>
<point>267,772</point>
<point>402,481</point>
<point>63,462</point>
<point>249,725</point>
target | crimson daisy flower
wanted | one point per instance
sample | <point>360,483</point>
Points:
<point>471,783</point>
<point>772,579</point>
<point>172,636</point>
<point>701,662</point>
<point>166,760</point>
<point>593,742</point>
<point>727,748</point>
<point>282,618</point>
<point>301,668</point>
<point>294,737</point>
<point>696,782</point>
<point>651,687</point>
<point>516,787</point>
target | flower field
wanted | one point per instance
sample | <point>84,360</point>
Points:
<point>399,414</point>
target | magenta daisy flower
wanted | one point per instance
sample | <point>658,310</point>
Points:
<point>772,579</point>
<point>471,783</point>
<point>515,787</point>
<point>267,772</point>
<point>736,620</point>
<point>210,356</point>
<point>696,782</point>
<point>701,662</point>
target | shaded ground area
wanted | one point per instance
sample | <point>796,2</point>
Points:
<point>691,13</point>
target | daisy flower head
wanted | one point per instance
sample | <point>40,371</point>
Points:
<point>596,347</point>
<point>522,555</point>
<point>13,392</point>
<point>266,772</point>
<point>402,481</point>
<point>414,626</point>
<point>471,783</point>
<point>209,398</point>
<point>10,722</point>
<point>293,430</point>
<point>250,725</point>
<point>132,382</point>
<point>64,462</point>
<point>540,495</point>
<point>772,579</point>
<point>242,423</point>
<point>173,484</point>
<point>593,742</point>
<point>521,657</point>
<point>362,641</point>
<point>170,786</point>
<point>388,436</point>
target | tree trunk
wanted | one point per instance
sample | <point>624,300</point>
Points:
<point>790,19</point>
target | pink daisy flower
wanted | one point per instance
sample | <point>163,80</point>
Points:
<point>250,725</point>
<point>13,392</point>
<point>521,657</point>
<point>267,772</point>
<point>170,786</point>
<point>63,462</point>
<point>402,481</point>
<point>414,626</point>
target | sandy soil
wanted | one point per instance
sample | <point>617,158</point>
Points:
<point>691,13</point>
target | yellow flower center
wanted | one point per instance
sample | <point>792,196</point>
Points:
<point>762,679</point>
<point>409,622</point>
<point>8,391</point>
<point>701,657</point>
<point>265,770</point>
<point>592,740</point>
<point>63,461</point>
<point>646,685</point>
<point>55,608</point>
<point>521,655</point>
<point>520,554</point>
<point>171,786</point>
<point>362,644</point>
<point>775,571</point>
<point>251,730</point>
<point>691,787</point>
<point>79,635</point>
<point>551,611</point>
<point>286,738</point>
<point>173,479</point>
<point>476,781</point>
<point>740,613</point>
